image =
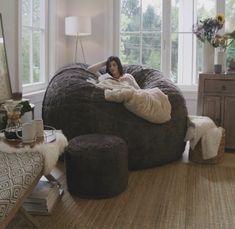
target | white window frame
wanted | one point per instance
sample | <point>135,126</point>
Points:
<point>166,41</point>
<point>44,55</point>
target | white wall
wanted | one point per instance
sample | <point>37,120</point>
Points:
<point>57,40</point>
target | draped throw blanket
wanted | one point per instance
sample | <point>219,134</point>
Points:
<point>204,129</point>
<point>151,104</point>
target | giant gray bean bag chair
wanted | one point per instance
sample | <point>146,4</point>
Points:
<point>78,107</point>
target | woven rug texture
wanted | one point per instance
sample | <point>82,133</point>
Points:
<point>176,195</point>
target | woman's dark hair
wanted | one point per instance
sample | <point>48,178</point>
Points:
<point>117,60</point>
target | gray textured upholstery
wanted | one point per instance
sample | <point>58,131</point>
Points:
<point>96,165</point>
<point>78,107</point>
<point>17,173</point>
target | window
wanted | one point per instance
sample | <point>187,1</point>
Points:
<point>33,44</point>
<point>159,34</point>
<point>230,26</point>
<point>186,51</point>
<point>140,32</point>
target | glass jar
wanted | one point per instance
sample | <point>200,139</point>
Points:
<point>13,121</point>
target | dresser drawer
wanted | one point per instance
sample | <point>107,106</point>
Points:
<point>219,86</point>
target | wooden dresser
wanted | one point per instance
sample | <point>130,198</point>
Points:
<point>216,99</point>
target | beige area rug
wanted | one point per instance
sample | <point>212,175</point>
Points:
<point>174,196</point>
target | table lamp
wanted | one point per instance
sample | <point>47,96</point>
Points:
<point>78,26</point>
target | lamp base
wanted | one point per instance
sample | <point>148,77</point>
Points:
<point>76,49</point>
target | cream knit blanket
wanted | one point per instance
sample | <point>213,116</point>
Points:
<point>150,104</point>
<point>202,127</point>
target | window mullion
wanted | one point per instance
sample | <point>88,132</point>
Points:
<point>31,57</point>
<point>31,44</point>
<point>194,45</point>
<point>42,55</point>
<point>166,38</point>
<point>42,29</point>
<point>116,26</point>
<point>185,43</point>
<point>141,33</point>
<point>220,8</point>
<point>34,52</point>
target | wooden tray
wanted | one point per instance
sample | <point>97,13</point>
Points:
<point>49,136</point>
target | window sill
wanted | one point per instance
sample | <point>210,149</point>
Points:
<point>189,92</point>
<point>34,93</point>
<point>35,97</point>
<point>34,87</point>
<point>188,88</point>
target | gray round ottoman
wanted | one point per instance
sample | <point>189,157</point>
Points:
<point>96,165</point>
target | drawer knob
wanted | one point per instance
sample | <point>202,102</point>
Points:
<point>223,87</point>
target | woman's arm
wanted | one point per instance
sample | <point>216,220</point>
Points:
<point>96,67</point>
<point>131,80</point>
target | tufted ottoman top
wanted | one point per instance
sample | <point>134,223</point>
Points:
<point>95,144</point>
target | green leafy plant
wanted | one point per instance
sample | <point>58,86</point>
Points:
<point>223,41</point>
<point>25,107</point>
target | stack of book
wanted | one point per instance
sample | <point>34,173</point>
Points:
<point>43,198</point>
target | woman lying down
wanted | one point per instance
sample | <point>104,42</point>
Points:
<point>114,71</point>
<point>150,104</point>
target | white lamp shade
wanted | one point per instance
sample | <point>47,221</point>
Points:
<point>80,26</point>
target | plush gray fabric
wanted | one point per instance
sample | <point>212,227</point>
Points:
<point>78,107</point>
<point>96,165</point>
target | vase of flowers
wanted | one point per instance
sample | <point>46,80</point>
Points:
<point>206,30</point>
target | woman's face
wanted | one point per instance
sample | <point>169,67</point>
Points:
<point>113,68</point>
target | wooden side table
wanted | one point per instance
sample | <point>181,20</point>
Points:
<point>216,99</point>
